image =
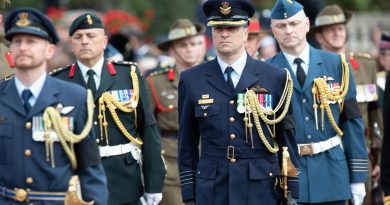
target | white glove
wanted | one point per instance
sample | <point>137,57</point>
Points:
<point>358,191</point>
<point>152,198</point>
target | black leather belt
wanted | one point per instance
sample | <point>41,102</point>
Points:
<point>22,195</point>
<point>232,152</point>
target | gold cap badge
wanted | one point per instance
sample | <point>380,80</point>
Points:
<point>290,1</point>
<point>89,20</point>
<point>23,19</point>
<point>225,8</point>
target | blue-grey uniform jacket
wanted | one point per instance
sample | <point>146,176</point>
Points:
<point>23,161</point>
<point>327,176</point>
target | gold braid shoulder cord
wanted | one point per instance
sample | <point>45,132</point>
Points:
<point>259,111</point>
<point>320,91</point>
<point>110,102</point>
<point>52,120</point>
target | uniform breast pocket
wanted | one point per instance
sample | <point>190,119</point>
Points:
<point>208,118</point>
<point>6,143</point>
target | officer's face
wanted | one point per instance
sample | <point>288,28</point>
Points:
<point>333,37</point>
<point>384,59</point>
<point>30,51</point>
<point>229,40</point>
<point>185,51</point>
<point>202,47</point>
<point>88,45</point>
<point>291,33</point>
<point>252,43</point>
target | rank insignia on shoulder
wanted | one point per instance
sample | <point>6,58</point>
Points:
<point>259,89</point>
<point>121,95</point>
<point>38,128</point>
<point>205,99</point>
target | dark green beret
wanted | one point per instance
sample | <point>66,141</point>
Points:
<point>85,21</point>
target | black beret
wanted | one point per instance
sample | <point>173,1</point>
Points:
<point>29,21</point>
<point>85,21</point>
<point>228,12</point>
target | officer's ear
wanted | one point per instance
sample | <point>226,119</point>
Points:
<point>50,50</point>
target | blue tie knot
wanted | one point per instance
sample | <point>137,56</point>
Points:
<point>26,95</point>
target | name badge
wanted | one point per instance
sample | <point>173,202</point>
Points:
<point>38,129</point>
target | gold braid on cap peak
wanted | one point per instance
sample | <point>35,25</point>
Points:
<point>228,23</point>
<point>258,112</point>
<point>52,120</point>
<point>109,101</point>
<point>322,93</point>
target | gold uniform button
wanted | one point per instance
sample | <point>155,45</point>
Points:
<point>231,102</point>
<point>27,152</point>
<point>95,123</point>
<point>233,160</point>
<point>232,136</point>
<point>28,125</point>
<point>171,106</point>
<point>205,114</point>
<point>29,180</point>
<point>231,119</point>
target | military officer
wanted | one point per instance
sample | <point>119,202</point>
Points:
<point>253,42</point>
<point>330,31</point>
<point>223,108</point>
<point>384,59</point>
<point>332,147</point>
<point>162,86</point>
<point>35,168</point>
<point>129,142</point>
<point>5,54</point>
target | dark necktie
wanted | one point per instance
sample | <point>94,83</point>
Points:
<point>300,72</point>
<point>229,80</point>
<point>26,95</point>
<point>91,81</point>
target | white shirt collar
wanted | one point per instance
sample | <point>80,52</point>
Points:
<point>305,56</point>
<point>238,65</point>
<point>35,88</point>
<point>97,68</point>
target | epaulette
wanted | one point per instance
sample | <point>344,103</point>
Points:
<point>159,71</point>
<point>55,71</point>
<point>124,63</point>
<point>361,55</point>
<point>7,78</point>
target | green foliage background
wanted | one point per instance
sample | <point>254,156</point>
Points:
<point>166,11</point>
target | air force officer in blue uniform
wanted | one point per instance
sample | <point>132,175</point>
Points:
<point>230,170</point>
<point>333,165</point>
<point>27,176</point>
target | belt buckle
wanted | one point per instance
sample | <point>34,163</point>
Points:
<point>232,159</point>
<point>306,149</point>
<point>21,195</point>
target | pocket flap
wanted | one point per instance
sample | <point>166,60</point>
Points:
<point>6,130</point>
<point>206,110</point>
<point>263,168</point>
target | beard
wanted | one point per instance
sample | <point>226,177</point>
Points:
<point>27,63</point>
